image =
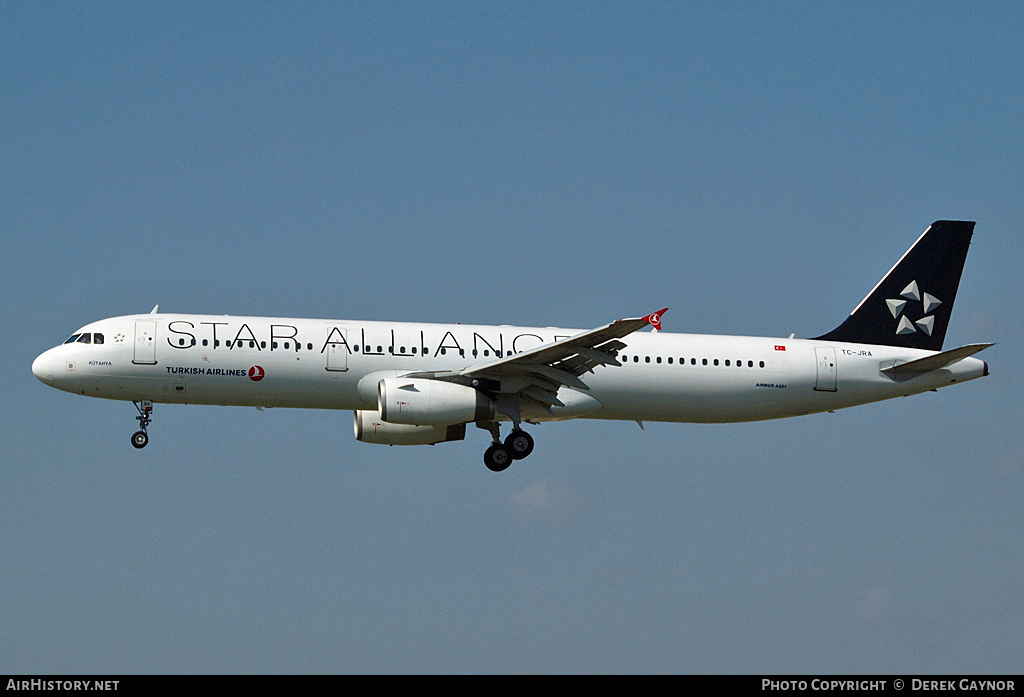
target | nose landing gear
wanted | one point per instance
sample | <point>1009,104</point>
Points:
<point>140,438</point>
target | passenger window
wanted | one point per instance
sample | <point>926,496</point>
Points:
<point>85,339</point>
<point>704,361</point>
<point>760,364</point>
<point>97,338</point>
<point>726,362</point>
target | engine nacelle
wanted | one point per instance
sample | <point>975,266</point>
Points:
<point>425,402</point>
<point>370,428</point>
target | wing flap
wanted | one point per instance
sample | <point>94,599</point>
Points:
<point>556,375</point>
<point>542,396</point>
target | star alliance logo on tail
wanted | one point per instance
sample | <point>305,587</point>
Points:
<point>898,306</point>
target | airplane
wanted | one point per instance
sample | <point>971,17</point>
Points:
<point>419,384</point>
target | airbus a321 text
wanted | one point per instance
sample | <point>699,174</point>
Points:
<point>419,384</point>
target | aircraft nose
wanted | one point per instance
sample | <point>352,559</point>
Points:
<point>42,367</point>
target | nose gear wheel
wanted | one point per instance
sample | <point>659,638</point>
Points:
<point>140,438</point>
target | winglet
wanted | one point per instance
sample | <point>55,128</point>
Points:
<point>155,308</point>
<point>654,319</point>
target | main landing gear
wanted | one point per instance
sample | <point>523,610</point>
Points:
<point>140,438</point>
<point>500,454</point>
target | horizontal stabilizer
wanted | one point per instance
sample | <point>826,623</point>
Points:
<point>936,362</point>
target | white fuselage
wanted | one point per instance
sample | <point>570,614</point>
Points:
<point>337,364</point>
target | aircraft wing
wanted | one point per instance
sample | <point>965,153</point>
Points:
<point>538,373</point>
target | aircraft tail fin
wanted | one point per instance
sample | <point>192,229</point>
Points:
<point>911,305</point>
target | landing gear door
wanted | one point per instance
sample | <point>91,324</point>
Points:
<point>145,342</point>
<point>826,381</point>
<point>337,349</point>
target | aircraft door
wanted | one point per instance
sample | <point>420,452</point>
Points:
<point>145,342</point>
<point>337,349</point>
<point>826,357</point>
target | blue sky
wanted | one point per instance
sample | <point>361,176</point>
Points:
<point>754,167</point>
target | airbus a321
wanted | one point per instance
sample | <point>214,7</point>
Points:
<point>420,384</point>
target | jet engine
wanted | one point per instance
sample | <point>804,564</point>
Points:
<point>370,428</point>
<point>426,402</point>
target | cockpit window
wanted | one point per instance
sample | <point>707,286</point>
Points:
<point>97,338</point>
<point>72,339</point>
<point>85,338</point>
